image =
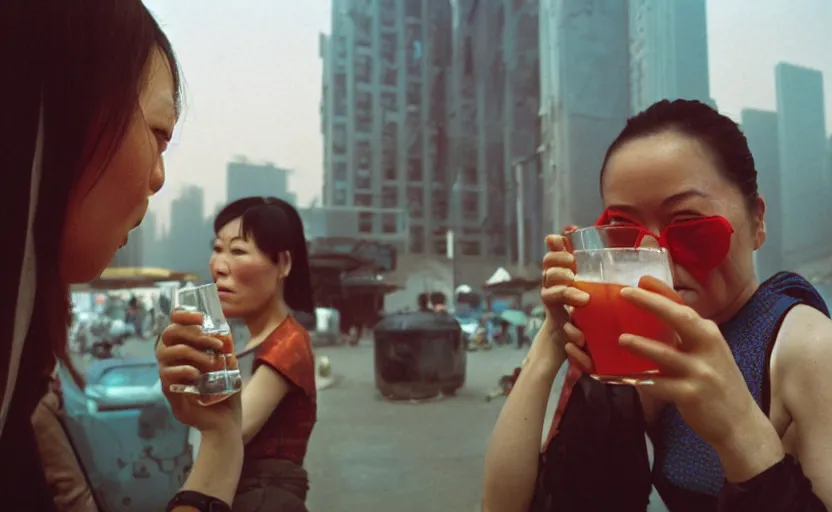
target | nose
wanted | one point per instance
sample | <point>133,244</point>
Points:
<point>157,176</point>
<point>218,266</point>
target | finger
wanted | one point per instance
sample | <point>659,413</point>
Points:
<point>579,358</point>
<point>655,285</point>
<point>555,243</point>
<point>558,259</point>
<point>182,374</point>
<point>182,317</point>
<point>191,335</point>
<point>574,335</point>
<point>690,327</point>
<point>570,228</point>
<point>558,276</point>
<point>666,389</point>
<point>184,354</point>
<point>564,296</point>
<point>668,358</point>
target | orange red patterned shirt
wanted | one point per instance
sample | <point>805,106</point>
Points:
<point>285,435</point>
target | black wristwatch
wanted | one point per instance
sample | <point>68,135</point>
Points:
<point>199,501</point>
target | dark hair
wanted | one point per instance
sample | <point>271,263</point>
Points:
<point>722,136</point>
<point>75,71</point>
<point>276,227</point>
<point>422,300</point>
<point>437,298</point>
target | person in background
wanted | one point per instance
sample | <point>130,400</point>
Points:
<point>740,416</point>
<point>423,302</point>
<point>438,300</point>
<point>261,269</point>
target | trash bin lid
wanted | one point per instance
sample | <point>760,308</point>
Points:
<point>423,321</point>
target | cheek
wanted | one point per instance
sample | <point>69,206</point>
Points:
<point>257,281</point>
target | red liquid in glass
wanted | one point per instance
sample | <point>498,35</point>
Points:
<point>606,317</point>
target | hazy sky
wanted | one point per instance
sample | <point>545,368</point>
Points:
<point>253,78</point>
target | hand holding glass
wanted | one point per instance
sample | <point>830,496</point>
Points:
<point>224,380</point>
<point>606,262</point>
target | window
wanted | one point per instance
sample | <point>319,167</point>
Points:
<point>417,239</point>
<point>416,202</point>
<point>362,179</point>
<point>365,222</point>
<point>414,169</point>
<point>340,172</point>
<point>469,57</point>
<point>389,223</point>
<point>470,205</point>
<point>470,248</point>
<point>469,175</point>
<point>413,8</point>
<point>389,197</point>
<point>339,139</point>
<point>339,198</point>
<point>363,199</point>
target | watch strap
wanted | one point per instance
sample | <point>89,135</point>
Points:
<point>199,501</point>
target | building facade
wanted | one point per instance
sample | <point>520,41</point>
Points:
<point>761,130</point>
<point>805,184</point>
<point>246,179</point>
<point>668,43</point>
<point>585,101</point>
<point>383,115</point>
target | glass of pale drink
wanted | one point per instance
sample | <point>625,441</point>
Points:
<point>224,379</point>
<point>608,258</point>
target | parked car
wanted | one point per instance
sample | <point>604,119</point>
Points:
<point>135,453</point>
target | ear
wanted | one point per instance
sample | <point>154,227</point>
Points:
<point>284,264</point>
<point>759,212</point>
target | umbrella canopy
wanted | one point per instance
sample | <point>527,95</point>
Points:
<point>514,317</point>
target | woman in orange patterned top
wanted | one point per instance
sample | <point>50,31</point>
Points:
<point>261,269</point>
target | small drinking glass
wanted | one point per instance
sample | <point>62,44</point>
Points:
<point>224,379</point>
<point>607,259</point>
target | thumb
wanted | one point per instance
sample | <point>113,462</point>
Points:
<point>651,284</point>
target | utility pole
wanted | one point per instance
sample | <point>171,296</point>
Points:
<point>520,184</point>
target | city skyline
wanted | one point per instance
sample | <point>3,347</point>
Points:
<point>265,102</point>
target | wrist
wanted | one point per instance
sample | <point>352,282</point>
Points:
<point>219,462</point>
<point>751,447</point>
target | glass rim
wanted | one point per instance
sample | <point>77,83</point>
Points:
<point>196,288</point>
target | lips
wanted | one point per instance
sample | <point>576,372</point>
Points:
<point>223,289</point>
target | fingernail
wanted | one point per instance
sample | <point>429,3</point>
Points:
<point>645,382</point>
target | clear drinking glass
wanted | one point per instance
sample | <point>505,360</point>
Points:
<point>224,380</point>
<point>607,259</point>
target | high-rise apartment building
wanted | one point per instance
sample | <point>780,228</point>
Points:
<point>804,184</point>
<point>494,130</point>
<point>585,101</point>
<point>668,42</point>
<point>383,115</point>
<point>188,241</point>
<point>761,130</point>
<point>245,179</point>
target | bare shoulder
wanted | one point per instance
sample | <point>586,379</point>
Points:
<point>803,350</point>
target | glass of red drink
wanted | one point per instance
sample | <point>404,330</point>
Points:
<point>606,261</point>
<point>224,379</point>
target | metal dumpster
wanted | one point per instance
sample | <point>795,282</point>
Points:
<point>419,355</point>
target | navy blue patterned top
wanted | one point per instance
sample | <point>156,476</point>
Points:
<point>686,470</point>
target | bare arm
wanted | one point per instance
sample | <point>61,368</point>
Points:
<point>216,471</point>
<point>261,396</point>
<point>807,393</point>
<point>514,449</point>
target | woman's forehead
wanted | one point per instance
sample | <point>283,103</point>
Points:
<point>666,164</point>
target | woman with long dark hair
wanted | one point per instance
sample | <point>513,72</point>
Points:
<point>739,417</point>
<point>261,269</point>
<point>90,99</point>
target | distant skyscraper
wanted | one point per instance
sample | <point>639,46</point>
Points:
<point>150,242</point>
<point>585,102</point>
<point>188,242</point>
<point>494,108</point>
<point>246,179</point>
<point>761,130</point>
<point>804,184</point>
<point>383,113</point>
<point>668,52</point>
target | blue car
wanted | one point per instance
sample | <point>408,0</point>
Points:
<point>135,453</point>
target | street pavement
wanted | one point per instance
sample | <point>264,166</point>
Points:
<point>371,454</point>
